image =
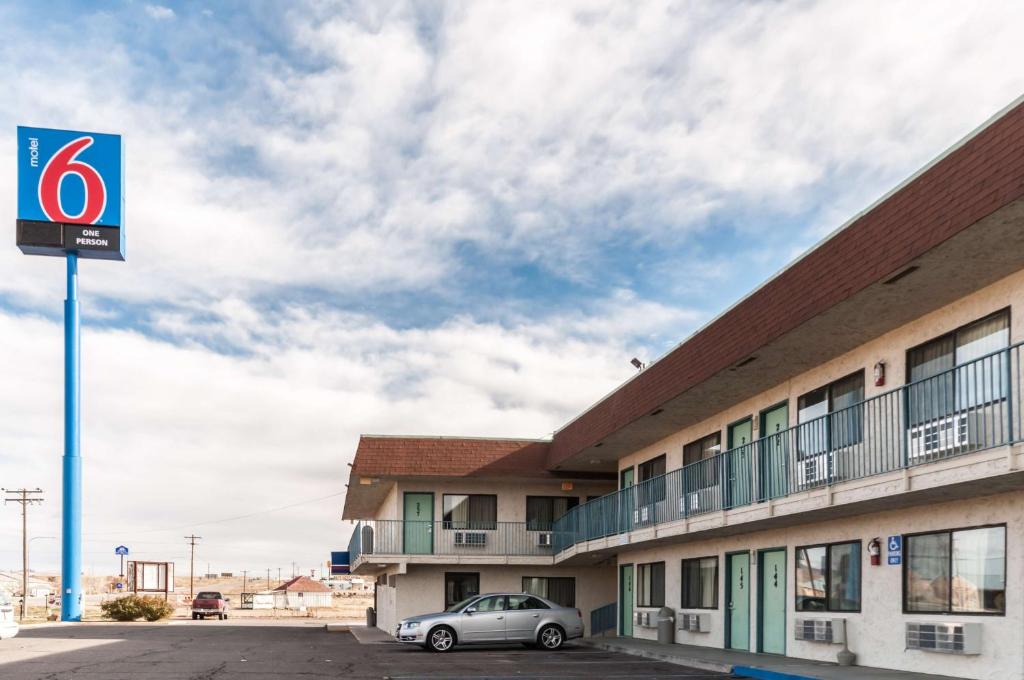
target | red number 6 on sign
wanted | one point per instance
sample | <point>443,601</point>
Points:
<point>65,162</point>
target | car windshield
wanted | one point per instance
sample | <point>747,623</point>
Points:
<point>459,605</point>
<point>208,596</point>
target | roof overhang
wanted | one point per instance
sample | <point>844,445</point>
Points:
<point>382,461</point>
<point>956,226</point>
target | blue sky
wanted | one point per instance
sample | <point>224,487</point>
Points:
<point>459,218</point>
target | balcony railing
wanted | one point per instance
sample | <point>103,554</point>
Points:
<point>468,539</point>
<point>971,407</point>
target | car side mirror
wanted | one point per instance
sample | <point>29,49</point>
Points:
<point>471,610</point>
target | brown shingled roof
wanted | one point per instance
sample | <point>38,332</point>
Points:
<point>380,457</point>
<point>302,584</point>
<point>384,456</point>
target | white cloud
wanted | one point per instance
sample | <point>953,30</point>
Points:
<point>159,12</point>
<point>540,130</point>
<point>362,153</point>
<point>175,435</point>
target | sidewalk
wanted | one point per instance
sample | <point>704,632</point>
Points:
<point>747,665</point>
<point>370,635</point>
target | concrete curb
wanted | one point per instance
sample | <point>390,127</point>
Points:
<point>338,627</point>
<point>660,656</point>
<point>764,674</point>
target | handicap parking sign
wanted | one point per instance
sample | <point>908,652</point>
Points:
<point>895,549</point>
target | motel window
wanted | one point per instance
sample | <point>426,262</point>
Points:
<point>650,583</point>
<point>937,391</point>
<point>705,448</point>
<point>702,449</point>
<point>542,511</point>
<point>828,577</point>
<point>559,589</point>
<point>651,491</point>
<point>470,511</point>
<point>655,467</point>
<point>460,585</point>
<point>956,572</point>
<point>844,427</point>
<point>700,583</point>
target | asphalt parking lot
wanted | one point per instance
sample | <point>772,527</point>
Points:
<point>226,650</point>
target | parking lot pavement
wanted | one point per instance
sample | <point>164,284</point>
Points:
<point>230,650</point>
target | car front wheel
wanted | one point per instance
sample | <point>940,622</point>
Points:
<point>551,637</point>
<point>441,639</point>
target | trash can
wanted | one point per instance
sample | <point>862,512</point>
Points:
<point>666,623</point>
<point>371,617</point>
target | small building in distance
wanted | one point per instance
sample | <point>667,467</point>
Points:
<point>302,592</point>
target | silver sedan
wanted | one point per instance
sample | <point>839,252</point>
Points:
<point>491,618</point>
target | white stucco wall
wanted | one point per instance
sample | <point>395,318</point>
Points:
<point>877,633</point>
<point>421,589</point>
<point>890,348</point>
<point>511,494</point>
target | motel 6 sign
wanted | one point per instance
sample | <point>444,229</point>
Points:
<point>70,193</point>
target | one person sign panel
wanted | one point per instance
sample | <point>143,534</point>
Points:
<point>70,193</point>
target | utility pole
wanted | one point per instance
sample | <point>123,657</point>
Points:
<point>279,574</point>
<point>26,497</point>
<point>268,578</point>
<point>192,565</point>
<point>245,572</point>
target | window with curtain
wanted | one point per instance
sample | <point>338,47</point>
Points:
<point>700,583</point>
<point>650,582</point>
<point>705,448</point>
<point>460,585</point>
<point>470,511</point>
<point>559,589</point>
<point>542,511</point>
<point>651,491</point>
<point>949,373</point>
<point>828,577</point>
<point>844,427</point>
<point>956,572</point>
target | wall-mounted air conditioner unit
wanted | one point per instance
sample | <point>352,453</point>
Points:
<point>815,470</point>
<point>643,619</point>
<point>544,539</point>
<point>820,630</point>
<point>948,638</point>
<point>694,623</point>
<point>701,500</point>
<point>470,538</point>
<point>937,437</point>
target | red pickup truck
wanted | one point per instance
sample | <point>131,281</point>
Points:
<point>210,603</point>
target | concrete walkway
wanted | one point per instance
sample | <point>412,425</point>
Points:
<point>368,635</point>
<point>747,665</point>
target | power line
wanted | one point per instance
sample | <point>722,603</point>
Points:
<point>26,497</point>
<point>192,568</point>
<point>225,519</point>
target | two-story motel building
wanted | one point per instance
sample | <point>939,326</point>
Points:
<point>840,455</point>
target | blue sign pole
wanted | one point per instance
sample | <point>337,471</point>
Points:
<point>71,205</point>
<point>71,548</point>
